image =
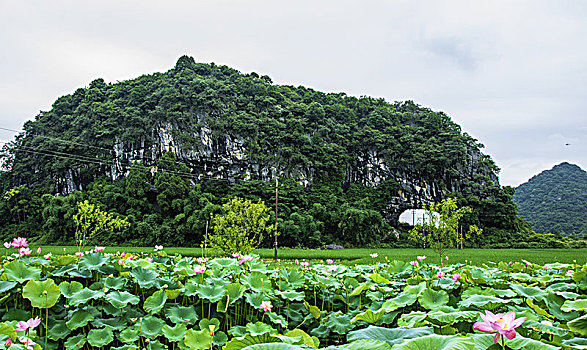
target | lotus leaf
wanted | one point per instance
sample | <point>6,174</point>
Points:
<point>258,328</point>
<point>84,296</point>
<point>76,342</point>
<point>431,299</point>
<point>114,282</point>
<point>100,337</point>
<point>121,299</point>
<point>210,292</point>
<point>314,310</point>
<point>529,292</point>
<point>272,346</point>
<point>220,338</point>
<point>575,305</point>
<point>175,333</point>
<point>196,340</point>
<point>248,340</point>
<point>234,291</point>
<point>579,325</point>
<point>486,302</point>
<point>128,335</point>
<point>339,323</point>
<point>42,294</point>
<point>437,342</point>
<point>369,316</point>
<point>389,335</point>
<point>155,302</point>
<point>402,300</point>
<point>18,271</point>
<point>6,286</point>
<point>93,261</point>
<point>151,326</point>
<point>79,318</point>
<point>145,278</point>
<point>68,289</point>
<point>58,330</point>
<point>258,282</point>
<point>448,318</point>
<point>182,314</point>
<point>277,319</point>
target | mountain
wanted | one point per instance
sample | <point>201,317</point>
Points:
<point>167,149</point>
<point>555,200</point>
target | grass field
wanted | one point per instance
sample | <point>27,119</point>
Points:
<point>361,256</point>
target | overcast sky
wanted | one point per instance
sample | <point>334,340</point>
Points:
<point>512,73</point>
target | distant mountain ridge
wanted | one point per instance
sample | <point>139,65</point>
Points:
<point>555,200</point>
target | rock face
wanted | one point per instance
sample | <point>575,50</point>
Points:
<point>226,125</point>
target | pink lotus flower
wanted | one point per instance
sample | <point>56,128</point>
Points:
<point>510,263</point>
<point>421,258</point>
<point>8,343</point>
<point>236,255</point>
<point>79,254</point>
<point>245,258</point>
<point>201,260</point>
<point>24,251</point>
<point>570,272</point>
<point>304,264</point>
<point>7,245</point>
<point>39,250</point>
<point>19,242</point>
<point>297,261</point>
<point>446,257</point>
<point>99,249</point>
<point>266,306</point>
<point>456,276</point>
<point>150,260</point>
<point>32,323</point>
<point>329,261</point>
<point>28,343</point>
<point>199,269</point>
<point>440,274</point>
<point>121,262</point>
<point>48,256</point>
<point>500,323</point>
<point>414,263</point>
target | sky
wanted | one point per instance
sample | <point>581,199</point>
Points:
<point>511,73</point>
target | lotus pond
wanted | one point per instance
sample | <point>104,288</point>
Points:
<point>155,301</point>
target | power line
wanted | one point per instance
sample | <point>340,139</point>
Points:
<point>179,173</point>
<point>83,144</point>
<point>88,160</point>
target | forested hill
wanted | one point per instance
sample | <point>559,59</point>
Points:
<point>200,133</point>
<point>555,200</point>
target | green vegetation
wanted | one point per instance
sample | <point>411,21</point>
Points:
<point>167,150</point>
<point>555,201</point>
<point>440,230</point>
<point>161,301</point>
<point>361,256</point>
<point>90,221</point>
<point>240,228</point>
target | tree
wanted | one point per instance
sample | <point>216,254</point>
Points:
<point>441,232</point>
<point>90,221</point>
<point>241,227</point>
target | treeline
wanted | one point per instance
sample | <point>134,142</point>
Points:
<point>168,209</point>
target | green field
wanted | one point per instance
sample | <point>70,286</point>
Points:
<point>361,256</point>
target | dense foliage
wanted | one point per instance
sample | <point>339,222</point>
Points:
<point>155,301</point>
<point>343,162</point>
<point>555,201</point>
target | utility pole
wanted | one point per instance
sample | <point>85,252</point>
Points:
<point>276,196</point>
<point>424,240</point>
